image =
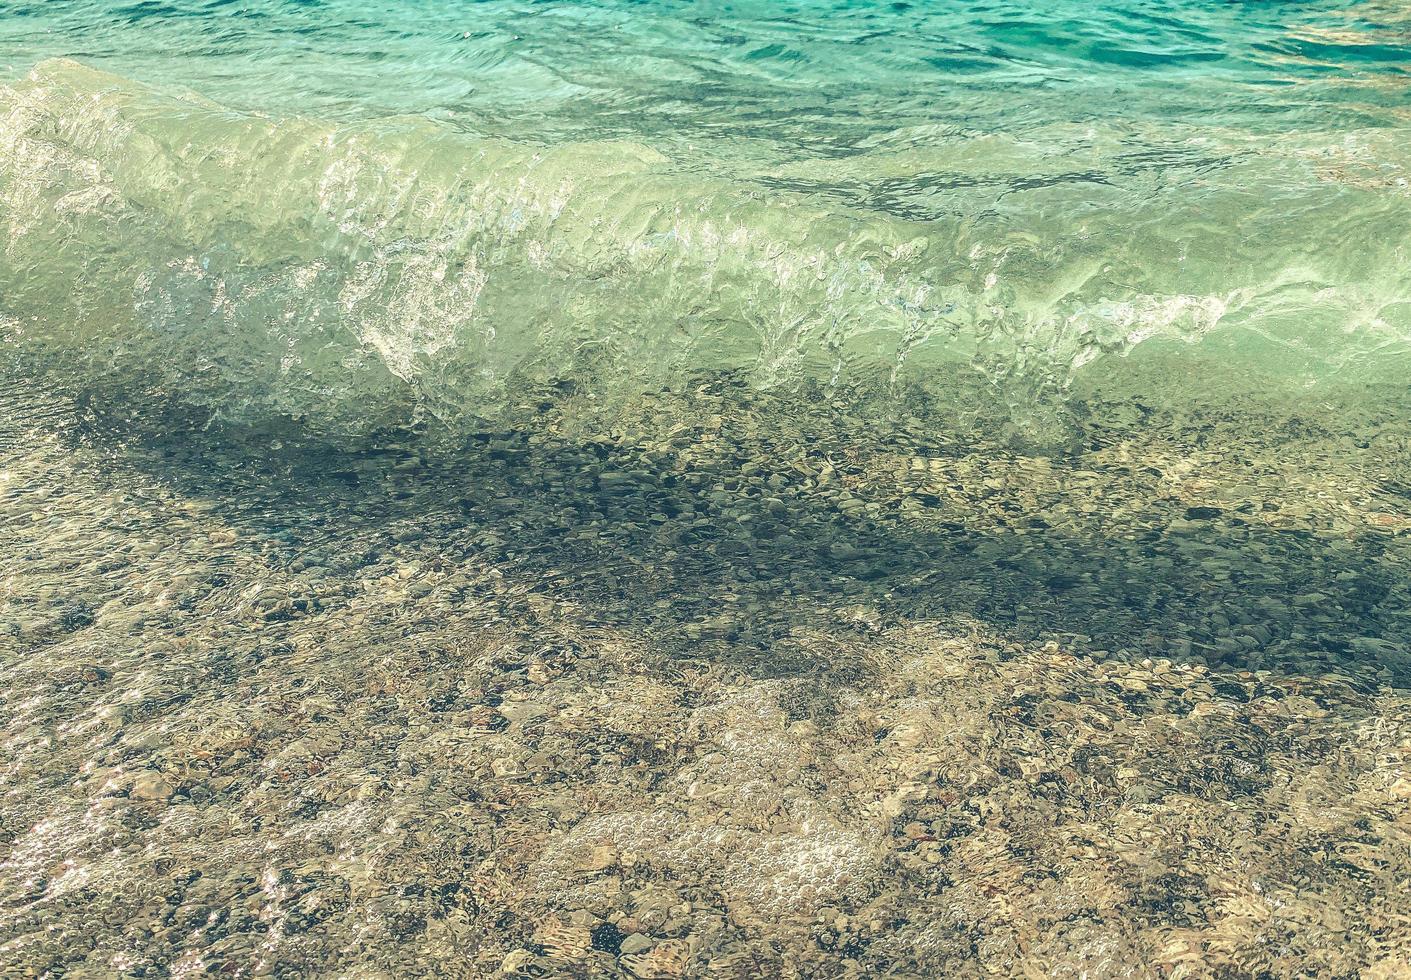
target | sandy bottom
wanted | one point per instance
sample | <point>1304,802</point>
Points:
<point>704,696</point>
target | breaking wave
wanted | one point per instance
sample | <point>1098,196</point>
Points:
<point>357,275</point>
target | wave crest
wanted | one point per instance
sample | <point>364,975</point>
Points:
<point>358,276</point>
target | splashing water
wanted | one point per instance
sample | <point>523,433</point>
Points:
<point>366,215</point>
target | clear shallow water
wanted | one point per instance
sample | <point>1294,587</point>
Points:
<point>705,490</point>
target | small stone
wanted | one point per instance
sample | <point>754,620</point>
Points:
<point>916,831</point>
<point>518,712</point>
<point>505,766</point>
<point>151,786</point>
<point>515,959</point>
<point>599,858</point>
<point>112,716</point>
<point>635,943</point>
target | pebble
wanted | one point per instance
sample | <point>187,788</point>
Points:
<point>150,785</point>
<point>636,943</point>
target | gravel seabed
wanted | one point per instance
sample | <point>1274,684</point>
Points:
<point>714,690</point>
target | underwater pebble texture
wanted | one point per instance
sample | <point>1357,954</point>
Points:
<point>577,488</point>
<point>339,731</point>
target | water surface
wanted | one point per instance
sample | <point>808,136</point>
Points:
<point>705,489</point>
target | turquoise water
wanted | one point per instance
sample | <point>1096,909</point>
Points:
<point>670,489</point>
<point>435,201</point>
